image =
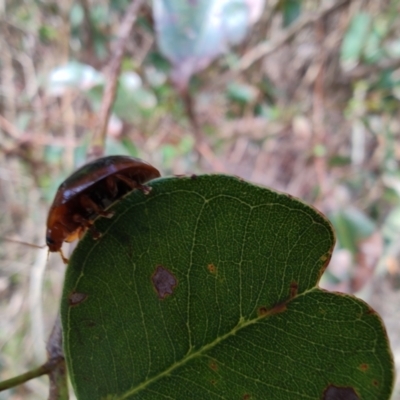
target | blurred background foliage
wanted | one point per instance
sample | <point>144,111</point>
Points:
<point>298,95</point>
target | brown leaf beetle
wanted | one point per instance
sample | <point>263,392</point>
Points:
<point>87,193</point>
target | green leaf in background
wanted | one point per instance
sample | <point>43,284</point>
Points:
<point>242,93</point>
<point>191,34</point>
<point>132,98</point>
<point>355,39</point>
<point>374,50</point>
<point>291,10</point>
<point>73,75</point>
<point>351,226</point>
<point>47,33</point>
<point>206,288</point>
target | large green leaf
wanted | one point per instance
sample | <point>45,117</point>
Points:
<point>205,288</point>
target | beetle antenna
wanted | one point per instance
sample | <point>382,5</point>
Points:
<point>21,242</point>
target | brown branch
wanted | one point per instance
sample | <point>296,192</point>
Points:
<point>87,37</point>
<point>56,361</point>
<point>99,135</point>
<point>365,71</point>
<point>10,129</point>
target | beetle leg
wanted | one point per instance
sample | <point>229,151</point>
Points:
<point>112,186</point>
<point>133,184</point>
<point>95,233</point>
<point>65,259</point>
<point>144,188</point>
<point>88,203</point>
<point>85,224</point>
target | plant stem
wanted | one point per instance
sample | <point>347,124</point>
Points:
<point>20,379</point>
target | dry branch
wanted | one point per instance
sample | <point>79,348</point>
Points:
<point>99,135</point>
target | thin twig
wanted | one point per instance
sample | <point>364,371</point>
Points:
<point>318,111</point>
<point>99,135</point>
<point>365,71</point>
<point>33,138</point>
<point>201,146</point>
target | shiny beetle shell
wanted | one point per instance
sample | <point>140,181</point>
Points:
<point>88,192</point>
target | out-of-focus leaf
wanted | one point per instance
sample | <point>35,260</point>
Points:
<point>374,51</point>
<point>158,61</point>
<point>391,226</point>
<point>73,75</point>
<point>119,5</point>
<point>130,147</point>
<point>291,10</point>
<point>355,39</point>
<point>47,33</point>
<point>339,161</point>
<point>351,226</point>
<point>23,120</point>
<point>99,15</point>
<point>95,94</point>
<point>115,147</point>
<point>132,98</point>
<point>392,179</point>
<point>170,153</point>
<point>242,93</point>
<point>154,76</point>
<point>76,15</point>
<point>80,153</point>
<point>191,34</point>
<point>393,48</point>
<point>319,150</point>
<point>130,81</point>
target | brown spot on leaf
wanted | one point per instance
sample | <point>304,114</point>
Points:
<point>164,281</point>
<point>325,258</point>
<point>90,324</point>
<point>364,367</point>
<point>76,298</point>
<point>340,393</point>
<point>294,286</point>
<point>213,365</point>
<point>246,396</point>
<point>213,381</point>
<point>375,383</point>
<point>370,311</point>
<point>212,268</point>
<point>281,307</point>
<point>262,311</point>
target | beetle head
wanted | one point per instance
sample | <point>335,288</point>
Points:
<point>55,237</point>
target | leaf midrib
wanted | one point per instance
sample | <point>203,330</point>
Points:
<point>191,355</point>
